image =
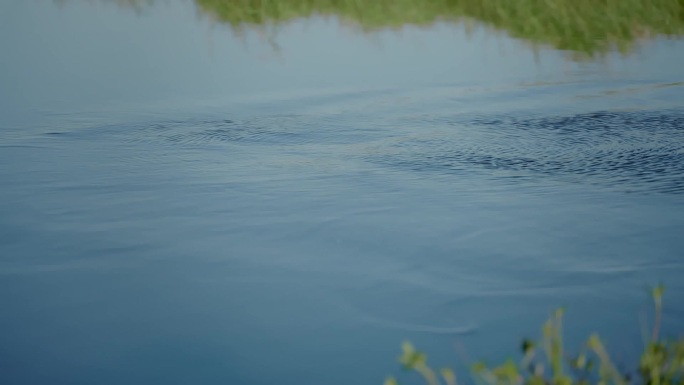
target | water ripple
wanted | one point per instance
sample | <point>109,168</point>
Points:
<point>262,130</point>
<point>626,151</point>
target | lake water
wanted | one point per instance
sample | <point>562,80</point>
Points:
<point>180,204</point>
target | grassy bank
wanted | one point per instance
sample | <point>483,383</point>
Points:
<point>546,362</point>
<point>589,27</point>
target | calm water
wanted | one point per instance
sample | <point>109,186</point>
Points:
<point>182,205</point>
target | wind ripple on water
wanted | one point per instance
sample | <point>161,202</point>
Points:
<point>626,151</point>
<point>263,130</point>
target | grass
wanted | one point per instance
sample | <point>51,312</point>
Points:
<point>547,363</point>
<point>587,27</point>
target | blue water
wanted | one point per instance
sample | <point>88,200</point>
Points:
<point>193,227</point>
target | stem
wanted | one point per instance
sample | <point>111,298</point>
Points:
<point>428,374</point>
<point>598,348</point>
<point>657,294</point>
<point>658,318</point>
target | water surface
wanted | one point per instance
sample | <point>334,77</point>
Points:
<point>180,205</point>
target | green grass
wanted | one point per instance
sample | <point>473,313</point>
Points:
<point>586,27</point>
<point>547,363</point>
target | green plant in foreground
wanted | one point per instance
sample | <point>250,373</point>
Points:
<point>546,363</point>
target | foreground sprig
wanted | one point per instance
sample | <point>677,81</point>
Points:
<point>547,363</point>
